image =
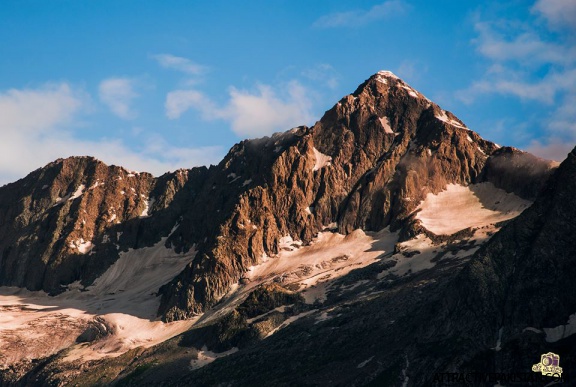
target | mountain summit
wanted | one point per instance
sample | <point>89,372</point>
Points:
<point>376,201</point>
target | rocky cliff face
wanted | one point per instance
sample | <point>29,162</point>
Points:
<point>68,221</point>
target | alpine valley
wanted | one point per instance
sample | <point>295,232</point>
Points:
<point>386,245</point>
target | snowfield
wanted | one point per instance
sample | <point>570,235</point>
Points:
<point>460,207</point>
<point>35,325</point>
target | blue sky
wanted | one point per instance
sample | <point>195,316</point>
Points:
<point>155,86</point>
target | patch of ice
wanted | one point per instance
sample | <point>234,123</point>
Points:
<point>561,331</point>
<point>45,186</point>
<point>469,138</point>
<point>322,160</point>
<point>246,182</point>
<point>277,149</point>
<point>232,175</point>
<point>481,151</point>
<point>308,211</point>
<point>429,152</point>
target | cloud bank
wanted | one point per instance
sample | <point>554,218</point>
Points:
<point>251,113</point>
<point>36,126</point>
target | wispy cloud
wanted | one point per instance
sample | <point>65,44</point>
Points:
<point>356,18</point>
<point>118,94</point>
<point>181,64</point>
<point>529,61</point>
<point>36,129</point>
<point>179,101</point>
<point>324,74</point>
<point>251,113</point>
<point>559,14</point>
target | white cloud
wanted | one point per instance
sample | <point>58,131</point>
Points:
<point>250,113</point>
<point>530,62</point>
<point>28,110</point>
<point>180,64</point>
<point>509,82</point>
<point>558,13</point>
<point>118,94</point>
<point>357,18</point>
<point>528,46</point>
<point>263,112</point>
<point>36,129</point>
<point>179,101</point>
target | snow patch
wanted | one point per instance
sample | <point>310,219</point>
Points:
<point>81,245</point>
<point>498,346</point>
<point>460,207</point>
<point>531,329</point>
<point>361,365</point>
<point>329,256</point>
<point>561,331</point>
<point>147,206</point>
<point>289,321</point>
<point>385,121</point>
<point>444,118</point>
<point>388,74</point>
<point>246,182</point>
<point>206,357</point>
<point>322,160</point>
<point>405,373</point>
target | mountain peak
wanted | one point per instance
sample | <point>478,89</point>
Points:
<point>386,73</point>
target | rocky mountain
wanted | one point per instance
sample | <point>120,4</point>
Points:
<point>371,247</point>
